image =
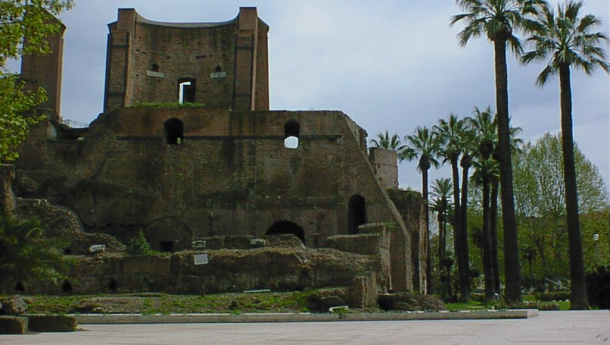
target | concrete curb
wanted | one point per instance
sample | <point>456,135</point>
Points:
<point>302,317</point>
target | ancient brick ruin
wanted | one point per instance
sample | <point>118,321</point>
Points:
<point>220,178</point>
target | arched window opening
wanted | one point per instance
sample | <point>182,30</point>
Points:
<point>187,90</point>
<point>292,131</point>
<point>218,68</point>
<point>166,246</point>
<point>286,228</point>
<point>356,213</point>
<point>19,287</point>
<point>173,131</point>
<point>66,287</point>
<point>112,285</point>
<point>155,67</point>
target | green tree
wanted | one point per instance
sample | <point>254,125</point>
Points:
<point>497,19</point>
<point>423,145</point>
<point>27,254</point>
<point>568,40</point>
<point>20,19</point>
<point>540,195</point>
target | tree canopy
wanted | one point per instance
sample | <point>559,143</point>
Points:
<point>21,19</point>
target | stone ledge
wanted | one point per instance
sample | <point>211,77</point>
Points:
<point>13,325</point>
<point>51,323</point>
<point>301,317</point>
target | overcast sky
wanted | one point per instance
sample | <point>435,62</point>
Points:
<point>391,64</point>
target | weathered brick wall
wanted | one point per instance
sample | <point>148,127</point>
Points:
<point>232,175</point>
<point>411,207</point>
<point>45,71</point>
<point>227,61</point>
<point>278,269</point>
<point>385,164</point>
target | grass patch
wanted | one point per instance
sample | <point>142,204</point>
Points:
<point>472,305</point>
<point>158,303</point>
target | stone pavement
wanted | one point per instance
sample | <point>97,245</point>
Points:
<point>574,327</point>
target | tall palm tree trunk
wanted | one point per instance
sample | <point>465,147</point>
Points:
<point>493,228</point>
<point>466,162</point>
<point>487,241</point>
<point>578,296</point>
<point>512,268</point>
<point>441,235</point>
<point>457,234</point>
<point>426,235</point>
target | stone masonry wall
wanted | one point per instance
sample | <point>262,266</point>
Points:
<point>277,269</point>
<point>411,207</point>
<point>147,61</point>
<point>385,164</point>
<point>232,175</point>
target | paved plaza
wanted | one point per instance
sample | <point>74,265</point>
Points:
<point>576,327</point>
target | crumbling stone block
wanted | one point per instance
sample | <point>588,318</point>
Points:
<point>363,293</point>
<point>51,323</point>
<point>13,305</point>
<point>13,325</point>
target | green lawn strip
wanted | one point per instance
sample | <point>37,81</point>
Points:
<point>157,303</point>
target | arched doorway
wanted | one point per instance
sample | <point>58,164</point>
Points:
<point>173,130</point>
<point>285,227</point>
<point>356,213</point>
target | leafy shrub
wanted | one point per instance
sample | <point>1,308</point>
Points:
<point>139,245</point>
<point>528,305</point>
<point>553,296</point>
<point>598,287</point>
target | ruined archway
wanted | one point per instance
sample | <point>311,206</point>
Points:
<point>286,228</point>
<point>173,130</point>
<point>356,213</point>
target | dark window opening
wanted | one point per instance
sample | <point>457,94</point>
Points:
<point>112,285</point>
<point>67,251</point>
<point>356,213</point>
<point>66,287</point>
<point>187,90</point>
<point>292,131</point>
<point>286,228</point>
<point>155,67</point>
<point>19,287</point>
<point>174,131</point>
<point>218,68</point>
<point>166,246</point>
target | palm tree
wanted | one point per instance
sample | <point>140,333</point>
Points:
<point>498,19</point>
<point>441,191</point>
<point>384,141</point>
<point>450,133</point>
<point>567,40</point>
<point>423,145</point>
<point>26,254</point>
<point>483,125</point>
<point>468,148</point>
